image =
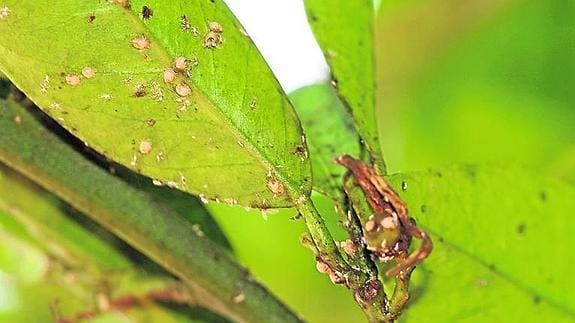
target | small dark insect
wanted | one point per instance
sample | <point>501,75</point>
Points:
<point>91,18</point>
<point>299,150</point>
<point>147,12</point>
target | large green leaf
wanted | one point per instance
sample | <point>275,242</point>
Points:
<point>233,138</point>
<point>503,245</point>
<point>344,31</point>
<point>330,134</point>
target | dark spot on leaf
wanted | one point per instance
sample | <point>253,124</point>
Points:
<point>440,239</point>
<point>91,18</point>
<point>4,88</point>
<point>543,196</point>
<point>259,205</point>
<point>438,174</point>
<point>423,208</point>
<point>299,150</point>
<point>536,300</point>
<point>521,228</point>
<point>313,17</point>
<point>492,267</point>
<point>147,12</point>
<point>471,171</point>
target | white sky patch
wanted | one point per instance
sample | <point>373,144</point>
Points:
<point>282,34</point>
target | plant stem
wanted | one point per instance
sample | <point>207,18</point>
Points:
<point>216,279</point>
<point>328,251</point>
<point>366,288</point>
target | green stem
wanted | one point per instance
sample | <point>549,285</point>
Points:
<point>366,288</point>
<point>216,279</point>
<point>327,249</point>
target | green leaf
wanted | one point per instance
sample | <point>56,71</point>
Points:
<point>503,245</point>
<point>231,137</point>
<point>329,134</point>
<point>152,228</point>
<point>344,32</point>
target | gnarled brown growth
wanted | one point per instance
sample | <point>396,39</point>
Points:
<point>388,206</point>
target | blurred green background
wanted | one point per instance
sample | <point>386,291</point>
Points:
<point>475,81</point>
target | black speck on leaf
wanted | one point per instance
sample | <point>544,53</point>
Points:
<point>536,300</point>
<point>423,208</point>
<point>521,228</point>
<point>543,196</point>
<point>147,12</point>
<point>471,172</point>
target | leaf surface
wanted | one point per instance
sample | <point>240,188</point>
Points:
<point>227,140</point>
<point>345,34</point>
<point>503,245</point>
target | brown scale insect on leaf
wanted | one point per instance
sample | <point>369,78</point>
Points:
<point>214,36</point>
<point>141,42</point>
<point>72,79</point>
<point>139,90</point>
<point>88,72</point>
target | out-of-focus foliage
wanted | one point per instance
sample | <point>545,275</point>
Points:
<point>57,265</point>
<point>478,81</point>
<point>330,134</point>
